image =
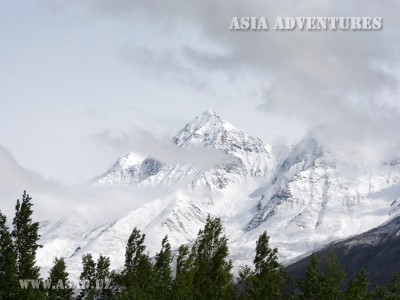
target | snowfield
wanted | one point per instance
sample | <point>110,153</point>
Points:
<point>304,199</point>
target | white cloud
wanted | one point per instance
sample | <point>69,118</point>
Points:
<point>161,148</point>
<point>185,49</point>
<point>348,79</point>
<point>54,201</point>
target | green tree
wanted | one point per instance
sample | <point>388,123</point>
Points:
<point>309,287</point>
<point>25,237</point>
<point>212,277</point>
<point>183,283</point>
<point>97,279</point>
<point>390,291</point>
<point>268,280</point>
<point>104,278</point>
<point>163,270</point>
<point>88,277</point>
<point>138,279</point>
<point>318,284</point>
<point>332,279</point>
<point>358,288</point>
<point>134,249</point>
<point>8,271</point>
<point>58,279</point>
<point>381,292</point>
<point>394,287</point>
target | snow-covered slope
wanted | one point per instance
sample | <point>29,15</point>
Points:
<point>241,155</point>
<point>305,200</point>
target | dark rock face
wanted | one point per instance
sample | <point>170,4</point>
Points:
<point>377,251</point>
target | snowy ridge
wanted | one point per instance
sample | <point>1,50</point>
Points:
<point>245,155</point>
<point>306,200</point>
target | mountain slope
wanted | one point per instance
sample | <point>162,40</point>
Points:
<point>313,192</point>
<point>376,251</point>
<point>306,200</point>
<point>241,155</point>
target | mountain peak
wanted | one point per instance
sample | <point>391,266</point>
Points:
<point>203,128</point>
<point>205,118</point>
<point>306,152</point>
<point>127,161</point>
<point>210,112</point>
<point>210,131</point>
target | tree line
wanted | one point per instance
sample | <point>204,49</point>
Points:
<point>202,271</point>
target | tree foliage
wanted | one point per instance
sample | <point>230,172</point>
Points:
<point>138,277</point>
<point>358,287</point>
<point>268,279</point>
<point>183,283</point>
<point>200,272</point>
<point>310,286</point>
<point>58,278</point>
<point>88,277</point>
<point>163,271</point>
<point>25,238</point>
<point>212,276</point>
<point>8,269</point>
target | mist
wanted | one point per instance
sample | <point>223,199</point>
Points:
<point>348,81</point>
<point>161,148</point>
<point>54,201</point>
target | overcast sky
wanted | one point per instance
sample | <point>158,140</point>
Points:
<point>78,75</point>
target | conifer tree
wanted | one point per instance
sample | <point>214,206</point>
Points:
<point>390,291</point>
<point>310,286</point>
<point>58,279</point>
<point>358,287</point>
<point>8,272</point>
<point>183,283</point>
<point>88,277</point>
<point>212,277</point>
<point>25,238</point>
<point>266,259</point>
<point>134,250</point>
<point>103,278</point>
<point>394,287</point>
<point>163,270</point>
<point>138,276</point>
<point>25,235</point>
<point>332,279</point>
<point>268,280</point>
<point>184,261</point>
<point>381,292</point>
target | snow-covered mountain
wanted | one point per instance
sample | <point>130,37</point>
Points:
<point>314,197</point>
<point>304,200</point>
<point>240,155</point>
